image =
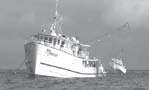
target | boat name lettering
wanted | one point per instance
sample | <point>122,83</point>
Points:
<point>51,53</point>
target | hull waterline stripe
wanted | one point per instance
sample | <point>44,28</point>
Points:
<point>68,69</point>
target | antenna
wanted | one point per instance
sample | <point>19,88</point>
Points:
<point>56,12</point>
<point>57,20</point>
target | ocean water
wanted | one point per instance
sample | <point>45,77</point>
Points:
<point>20,80</point>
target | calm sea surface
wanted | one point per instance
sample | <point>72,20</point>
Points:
<point>20,80</point>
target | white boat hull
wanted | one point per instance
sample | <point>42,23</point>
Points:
<point>120,68</point>
<point>47,61</point>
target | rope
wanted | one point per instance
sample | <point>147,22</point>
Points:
<point>108,35</point>
<point>21,64</point>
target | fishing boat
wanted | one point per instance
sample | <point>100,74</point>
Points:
<point>52,53</point>
<point>117,64</point>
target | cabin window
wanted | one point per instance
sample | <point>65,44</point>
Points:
<point>50,40</point>
<point>55,41</point>
<point>36,37</point>
<point>41,38</point>
<point>45,39</point>
<point>62,44</point>
<point>58,42</point>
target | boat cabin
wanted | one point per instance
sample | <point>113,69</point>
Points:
<point>117,61</point>
<point>63,43</point>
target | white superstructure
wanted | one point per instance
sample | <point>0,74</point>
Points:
<point>117,64</point>
<point>50,53</point>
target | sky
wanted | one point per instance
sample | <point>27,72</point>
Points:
<point>86,19</point>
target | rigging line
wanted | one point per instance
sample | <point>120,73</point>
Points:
<point>125,26</point>
<point>8,79</point>
<point>21,64</point>
<point>61,19</point>
<point>98,38</point>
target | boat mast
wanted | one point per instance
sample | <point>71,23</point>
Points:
<point>56,11</point>
<point>57,20</point>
